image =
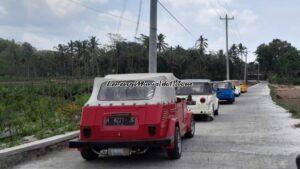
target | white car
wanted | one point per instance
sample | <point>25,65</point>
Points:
<point>236,85</point>
<point>201,98</point>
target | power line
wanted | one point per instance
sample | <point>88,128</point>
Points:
<point>138,18</point>
<point>228,9</point>
<point>181,24</point>
<point>101,12</point>
<point>122,15</point>
<point>214,8</point>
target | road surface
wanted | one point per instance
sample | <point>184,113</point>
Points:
<point>253,133</point>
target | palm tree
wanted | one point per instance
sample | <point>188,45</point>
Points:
<point>201,44</point>
<point>78,52</point>
<point>85,56</point>
<point>62,49</point>
<point>71,46</point>
<point>241,49</point>
<point>161,44</point>
<point>93,46</point>
<point>144,40</point>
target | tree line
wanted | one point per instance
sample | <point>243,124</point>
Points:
<point>88,58</point>
<point>280,61</point>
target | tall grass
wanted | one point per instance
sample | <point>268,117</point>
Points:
<point>41,110</point>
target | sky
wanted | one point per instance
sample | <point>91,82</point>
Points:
<point>47,23</point>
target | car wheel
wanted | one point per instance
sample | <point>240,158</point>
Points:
<point>175,153</point>
<point>209,118</point>
<point>191,133</point>
<point>88,154</point>
<point>216,112</point>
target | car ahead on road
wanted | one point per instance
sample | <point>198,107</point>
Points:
<point>236,86</point>
<point>201,98</point>
<point>121,119</point>
<point>225,91</point>
<point>243,87</point>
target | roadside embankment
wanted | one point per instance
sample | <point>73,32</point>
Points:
<point>14,155</point>
<point>288,97</point>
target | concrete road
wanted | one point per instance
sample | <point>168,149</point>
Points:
<point>253,133</point>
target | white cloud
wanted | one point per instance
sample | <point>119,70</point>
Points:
<point>2,11</point>
<point>39,41</point>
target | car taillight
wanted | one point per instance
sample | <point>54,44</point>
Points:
<point>86,132</point>
<point>202,100</point>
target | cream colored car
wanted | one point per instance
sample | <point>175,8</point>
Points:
<point>201,98</point>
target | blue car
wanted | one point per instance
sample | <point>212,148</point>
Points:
<point>225,91</point>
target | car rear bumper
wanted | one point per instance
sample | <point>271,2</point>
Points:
<point>119,144</point>
<point>225,97</point>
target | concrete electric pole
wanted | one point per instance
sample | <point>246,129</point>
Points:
<point>152,38</point>
<point>258,71</point>
<point>227,55</point>
<point>245,70</point>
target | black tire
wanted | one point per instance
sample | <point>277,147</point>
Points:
<point>88,154</point>
<point>175,153</point>
<point>216,112</point>
<point>231,101</point>
<point>209,118</point>
<point>191,133</point>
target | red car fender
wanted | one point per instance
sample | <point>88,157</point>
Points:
<point>188,118</point>
<point>171,130</point>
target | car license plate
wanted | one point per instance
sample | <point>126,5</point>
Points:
<point>118,152</point>
<point>120,121</point>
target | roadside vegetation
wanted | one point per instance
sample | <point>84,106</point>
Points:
<point>280,62</point>
<point>39,111</point>
<point>288,97</point>
<point>89,58</point>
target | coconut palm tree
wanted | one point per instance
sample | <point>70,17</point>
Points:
<point>161,44</point>
<point>201,44</point>
<point>93,46</point>
<point>241,49</point>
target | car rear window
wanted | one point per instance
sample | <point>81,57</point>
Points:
<point>221,85</point>
<point>196,88</point>
<point>117,93</point>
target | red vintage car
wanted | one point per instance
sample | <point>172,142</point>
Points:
<point>126,114</point>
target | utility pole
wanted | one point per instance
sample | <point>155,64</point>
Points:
<point>258,71</point>
<point>152,38</point>
<point>227,55</point>
<point>245,70</point>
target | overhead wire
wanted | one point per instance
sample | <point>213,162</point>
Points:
<point>138,19</point>
<point>175,18</point>
<point>228,9</point>
<point>214,8</point>
<point>122,15</point>
<point>101,12</point>
<point>235,30</point>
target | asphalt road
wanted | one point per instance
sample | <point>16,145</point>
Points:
<point>253,133</point>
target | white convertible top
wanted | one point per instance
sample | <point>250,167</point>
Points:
<point>162,95</point>
<point>196,80</point>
